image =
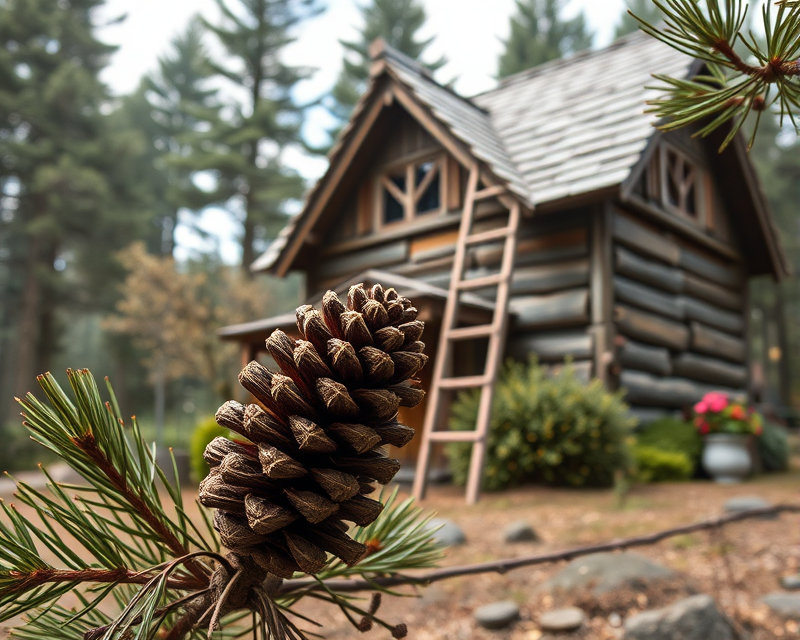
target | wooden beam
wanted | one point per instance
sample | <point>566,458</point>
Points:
<point>713,293</point>
<point>651,328</point>
<point>716,343</point>
<point>602,296</point>
<point>662,276</point>
<point>569,307</point>
<point>551,346</point>
<point>643,357</point>
<point>638,237</point>
<point>706,369</point>
<point>649,390</point>
<point>645,297</point>
<point>708,314</point>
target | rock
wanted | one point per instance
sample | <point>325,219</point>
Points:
<point>520,532</point>
<point>746,503</point>
<point>604,572</point>
<point>615,620</point>
<point>695,618</point>
<point>567,619</point>
<point>497,615</point>
<point>791,582</point>
<point>449,535</point>
<point>784,604</point>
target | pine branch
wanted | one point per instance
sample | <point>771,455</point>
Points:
<point>503,566</point>
<point>734,87</point>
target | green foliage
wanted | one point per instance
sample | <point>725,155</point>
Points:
<point>773,447</point>
<point>736,84</point>
<point>540,33</point>
<point>203,433</point>
<point>672,435</point>
<point>556,430</point>
<point>398,23</point>
<point>659,465</point>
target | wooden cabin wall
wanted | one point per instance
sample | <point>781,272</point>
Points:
<point>679,314</point>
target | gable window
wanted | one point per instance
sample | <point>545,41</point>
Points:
<point>677,183</point>
<point>411,190</point>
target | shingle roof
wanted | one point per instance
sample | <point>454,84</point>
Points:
<point>576,125</point>
<point>565,128</point>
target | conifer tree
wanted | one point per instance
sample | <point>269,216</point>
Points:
<point>644,9</point>
<point>244,146</point>
<point>65,167</point>
<point>539,32</point>
<point>398,22</point>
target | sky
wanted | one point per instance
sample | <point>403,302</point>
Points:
<point>468,33</point>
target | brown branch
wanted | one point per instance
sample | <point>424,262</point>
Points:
<point>774,69</point>
<point>27,581</point>
<point>502,566</point>
<point>88,445</point>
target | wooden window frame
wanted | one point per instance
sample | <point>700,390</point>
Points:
<point>410,198</point>
<point>698,182</point>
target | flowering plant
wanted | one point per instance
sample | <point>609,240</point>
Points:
<point>717,412</point>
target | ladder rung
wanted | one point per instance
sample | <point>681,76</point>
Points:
<point>479,283</point>
<point>487,236</point>
<point>464,382</point>
<point>464,333</point>
<point>490,192</point>
<point>454,436</point>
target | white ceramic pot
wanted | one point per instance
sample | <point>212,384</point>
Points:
<point>726,457</point>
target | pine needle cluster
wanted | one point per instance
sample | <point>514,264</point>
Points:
<point>741,73</point>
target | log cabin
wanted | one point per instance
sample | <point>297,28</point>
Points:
<point>634,246</point>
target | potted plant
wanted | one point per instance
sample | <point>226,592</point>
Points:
<point>726,425</point>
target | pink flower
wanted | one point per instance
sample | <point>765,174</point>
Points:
<point>716,401</point>
<point>701,407</point>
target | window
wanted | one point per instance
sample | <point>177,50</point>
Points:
<point>678,179</point>
<point>412,190</point>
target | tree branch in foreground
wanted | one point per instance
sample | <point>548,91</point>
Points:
<point>502,566</point>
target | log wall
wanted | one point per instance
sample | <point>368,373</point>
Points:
<point>679,316</point>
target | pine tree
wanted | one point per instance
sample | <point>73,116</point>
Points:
<point>170,107</point>
<point>644,9</point>
<point>245,144</point>
<point>397,22</point>
<point>65,166</point>
<point>540,33</point>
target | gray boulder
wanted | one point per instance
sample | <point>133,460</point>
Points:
<point>449,535</point>
<point>695,618</point>
<point>747,503</point>
<point>604,572</point>
<point>784,604</point>
<point>567,619</point>
<point>520,532</point>
<point>791,582</point>
<point>497,615</point>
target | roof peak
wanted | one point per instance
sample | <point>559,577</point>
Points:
<point>379,50</point>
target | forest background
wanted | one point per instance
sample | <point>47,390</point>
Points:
<point>135,190</point>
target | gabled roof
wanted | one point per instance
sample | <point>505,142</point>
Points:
<point>567,128</point>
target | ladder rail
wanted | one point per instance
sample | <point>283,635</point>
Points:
<point>449,335</point>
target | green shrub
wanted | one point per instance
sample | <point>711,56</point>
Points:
<point>672,435</point>
<point>557,430</point>
<point>658,465</point>
<point>203,433</point>
<point>773,447</point>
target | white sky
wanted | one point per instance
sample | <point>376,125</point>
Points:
<point>467,32</point>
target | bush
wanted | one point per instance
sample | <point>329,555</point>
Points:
<point>556,430</point>
<point>203,433</point>
<point>658,465</point>
<point>773,447</point>
<point>672,435</point>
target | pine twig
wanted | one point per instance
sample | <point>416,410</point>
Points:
<point>503,566</point>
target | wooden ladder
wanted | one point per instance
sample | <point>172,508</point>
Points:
<point>443,379</point>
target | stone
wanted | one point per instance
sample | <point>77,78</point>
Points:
<point>604,572</point>
<point>746,503</point>
<point>695,618</point>
<point>497,615</point>
<point>520,532</point>
<point>567,619</point>
<point>615,620</point>
<point>784,604</point>
<point>449,535</point>
<point>791,582</point>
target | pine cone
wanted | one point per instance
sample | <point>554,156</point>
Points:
<point>314,444</point>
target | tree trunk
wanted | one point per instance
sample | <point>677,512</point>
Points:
<point>784,369</point>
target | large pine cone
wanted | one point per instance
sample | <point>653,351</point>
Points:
<point>315,442</point>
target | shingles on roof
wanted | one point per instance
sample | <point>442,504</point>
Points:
<point>579,124</point>
<point>565,128</point>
